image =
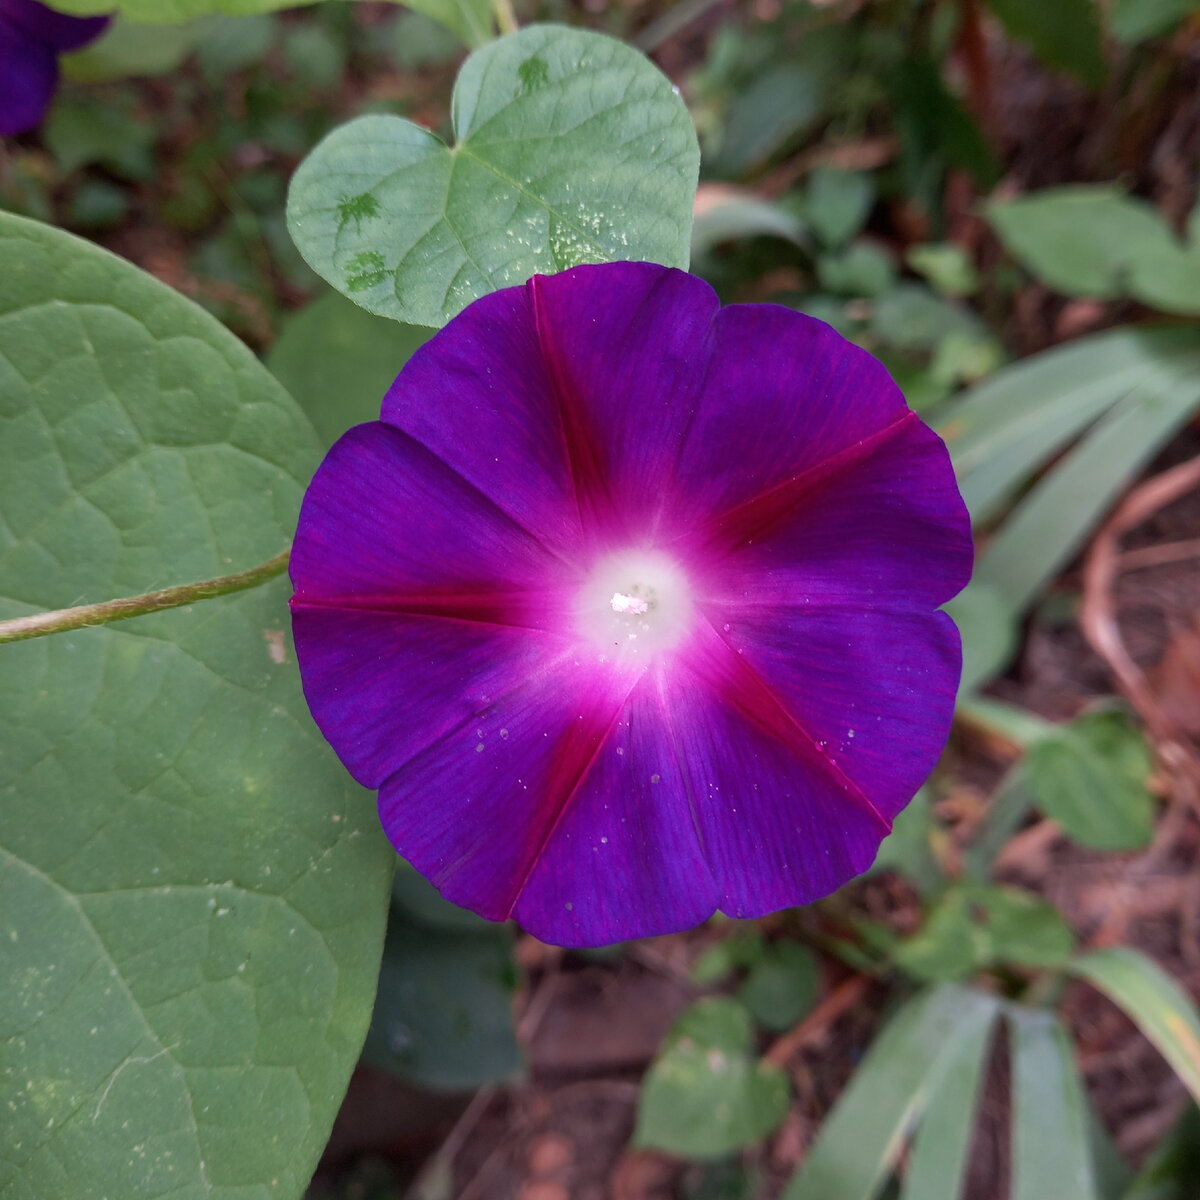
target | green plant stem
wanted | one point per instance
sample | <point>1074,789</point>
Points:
<point>61,620</point>
<point>506,19</point>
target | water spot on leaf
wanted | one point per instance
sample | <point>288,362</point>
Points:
<point>365,270</point>
<point>571,248</point>
<point>275,645</point>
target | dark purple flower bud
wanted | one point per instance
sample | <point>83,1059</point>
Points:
<point>628,606</point>
<point>32,37</point>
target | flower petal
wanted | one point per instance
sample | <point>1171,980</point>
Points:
<point>625,859</point>
<point>385,525</point>
<point>785,394</point>
<point>883,528</point>
<point>627,346</point>
<point>28,75</point>
<point>875,691</point>
<point>475,811</point>
<point>749,459</point>
<point>780,822</point>
<point>384,687</point>
<point>478,397</point>
<point>416,601</point>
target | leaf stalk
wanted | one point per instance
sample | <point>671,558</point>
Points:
<point>506,18</point>
<point>63,620</point>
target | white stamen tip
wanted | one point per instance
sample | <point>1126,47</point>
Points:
<point>634,605</point>
<point>628,604</point>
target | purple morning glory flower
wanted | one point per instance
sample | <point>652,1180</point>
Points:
<point>627,606</point>
<point>32,37</point>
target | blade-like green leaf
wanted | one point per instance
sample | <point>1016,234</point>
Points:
<point>863,1137</point>
<point>571,148</point>
<point>1054,520</point>
<point>706,1095</point>
<point>1051,1150</point>
<point>1112,1173</point>
<point>192,892</point>
<point>988,630</point>
<point>1090,777</point>
<point>1009,805</point>
<point>1004,429</point>
<point>1155,1003</point>
<point>338,360</point>
<point>740,214</point>
<point>1064,34</point>
<point>939,1152</point>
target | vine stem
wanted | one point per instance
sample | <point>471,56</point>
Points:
<point>62,620</point>
<point>506,18</point>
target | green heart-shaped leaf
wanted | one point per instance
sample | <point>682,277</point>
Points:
<point>571,148</point>
<point>192,892</point>
<point>706,1095</point>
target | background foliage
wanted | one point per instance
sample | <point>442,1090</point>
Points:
<point>202,921</point>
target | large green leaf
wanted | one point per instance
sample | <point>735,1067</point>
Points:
<point>338,360</point>
<point>571,148</point>
<point>706,1095</point>
<point>470,19</point>
<point>1090,777</point>
<point>864,1135</point>
<point>1153,1001</point>
<point>192,892</point>
<point>1063,34</point>
<point>1051,1146</point>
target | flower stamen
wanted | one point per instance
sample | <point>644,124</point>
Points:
<point>634,604</point>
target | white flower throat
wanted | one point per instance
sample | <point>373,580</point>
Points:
<point>634,605</point>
